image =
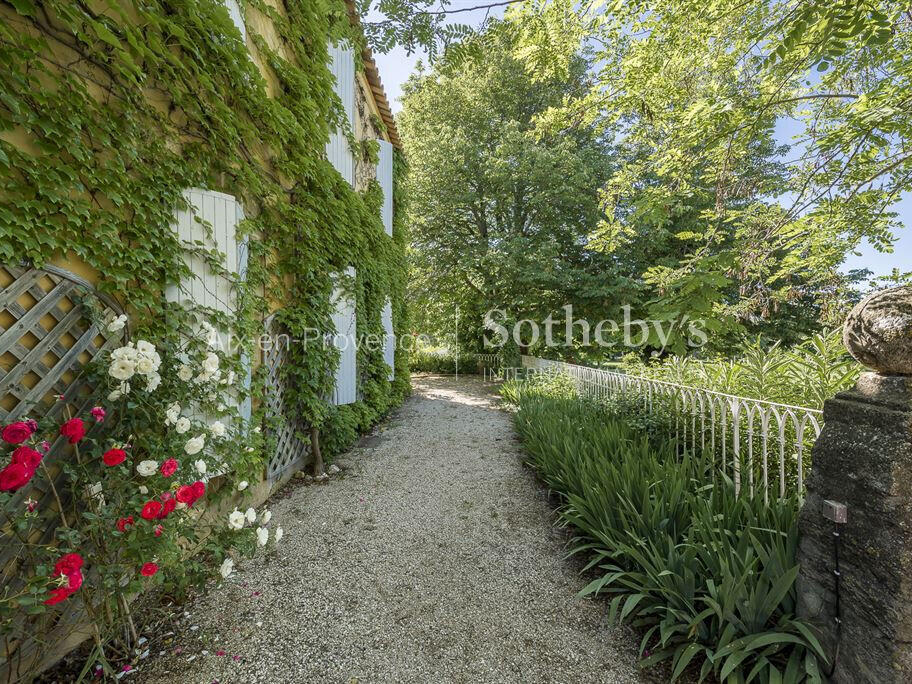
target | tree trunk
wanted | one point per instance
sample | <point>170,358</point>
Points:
<point>315,450</point>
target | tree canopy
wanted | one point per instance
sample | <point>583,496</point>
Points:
<point>722,158</point>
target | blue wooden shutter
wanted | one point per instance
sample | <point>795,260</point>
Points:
<point>389,338</point>
<point>342,67</point>
<point>385,179</point>
<point>344,338</point>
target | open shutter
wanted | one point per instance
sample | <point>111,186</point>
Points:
<point>222,213</point>
<point>342,67</point>
<point>385,179</point>
<point>344,338</point>
<point>389,338</point>
<point>237,17</point>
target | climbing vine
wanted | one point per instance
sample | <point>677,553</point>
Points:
<point>110,111</point>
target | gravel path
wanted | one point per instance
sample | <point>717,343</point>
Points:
<point>433,559</point>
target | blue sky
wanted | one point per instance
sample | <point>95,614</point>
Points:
<point>396,66</point>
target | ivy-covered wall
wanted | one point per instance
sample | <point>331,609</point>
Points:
<point>110,110</point>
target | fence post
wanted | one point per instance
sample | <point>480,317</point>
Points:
<point>857,515</point>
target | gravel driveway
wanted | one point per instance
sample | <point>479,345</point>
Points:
<point>432,559</point>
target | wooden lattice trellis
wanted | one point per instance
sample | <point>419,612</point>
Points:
<point>290,452</point>
<point>47,337</point>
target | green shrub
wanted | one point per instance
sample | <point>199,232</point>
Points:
<point>513,391</point>
<point>709,576</point>
<point>442,362</point>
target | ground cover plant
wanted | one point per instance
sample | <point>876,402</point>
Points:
<point>709,577</point>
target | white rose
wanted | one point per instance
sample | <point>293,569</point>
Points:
<point>251,515</point>
<point>143,489</point>
<point>181,425</point>
<point>211,362</point>
<point>195,445</point>
<point>257,429</point>
<point>153,380</point>
<point>116,394</point>
<point>229,380</point>
<point>262,536</point>
<point>118,323</point>
<point>144,365</point>
<point>227,567</point>
<point>172,413</point>
<point>147,468</point>
<point>201,378</point>
<point>125,353</point>
<point>200,466</point>
<point>265,517</point>
<point>184,372</point>
<point>278,535</point>
<point>122,369</point>
<point>242,485</point>
<point>236,519</point>
<point>217,429</point>
<point>145,348</point>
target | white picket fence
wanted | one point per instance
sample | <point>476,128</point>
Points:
<point>762,445</point>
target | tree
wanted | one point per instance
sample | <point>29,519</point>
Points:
<point>500,209</point>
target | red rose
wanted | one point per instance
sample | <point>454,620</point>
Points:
<point>148,569</point>
<point>199,488</point>
<point>98,413</point>
<point>57,595</point>
<point>68,564</point>
<point>113,457</point>
<point>158,530</point>
<point>169,467</point>
<point>14,476</point>
<point>16,433</point>
<point>186,495</point>
<point>123,523</point>
<point>26,456</point>
<point>151,510</point>
<point>169,506</point>
<point>73,429</point>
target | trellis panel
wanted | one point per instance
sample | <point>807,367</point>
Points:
<point>48,335</point>
<point>284,426</point>
<point>344,321</point>
<point>385,179</point>
<point>389,338</point>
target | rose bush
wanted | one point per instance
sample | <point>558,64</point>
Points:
<point>133,510</point>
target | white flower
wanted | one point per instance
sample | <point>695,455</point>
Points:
<point>184,372</point>
<point>116,394</point>
<point>147,468</point>
<point>236,519</point>
<point>227,567</point>
<point>153,380</point>
<point>242,485</point>
<point>257,429</point>
<point>172,413</point>
<point>211,362</point>
<point>145,365</point>
<point>122,369</point>
<point>118,323</point>
<point>251,515</point>
<point>145,348</point>
<point>195,445</point>
<point>229,379</point>
<point>278,535</point>
<point>200,466</point>
<point>217,429</point>
<point>125,353</point>
<point>181,425</point>
<point>262,536</point>
<point>202,377</point>
<point>143,489</point>
<point>265,517</point>
<point>210,333</point>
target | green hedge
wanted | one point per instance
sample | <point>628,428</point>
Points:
<point>708,576</point>
<point>429,362</point>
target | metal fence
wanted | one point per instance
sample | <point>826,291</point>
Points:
<point>763,446</point>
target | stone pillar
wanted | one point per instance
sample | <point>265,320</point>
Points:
<point>863,459</point>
